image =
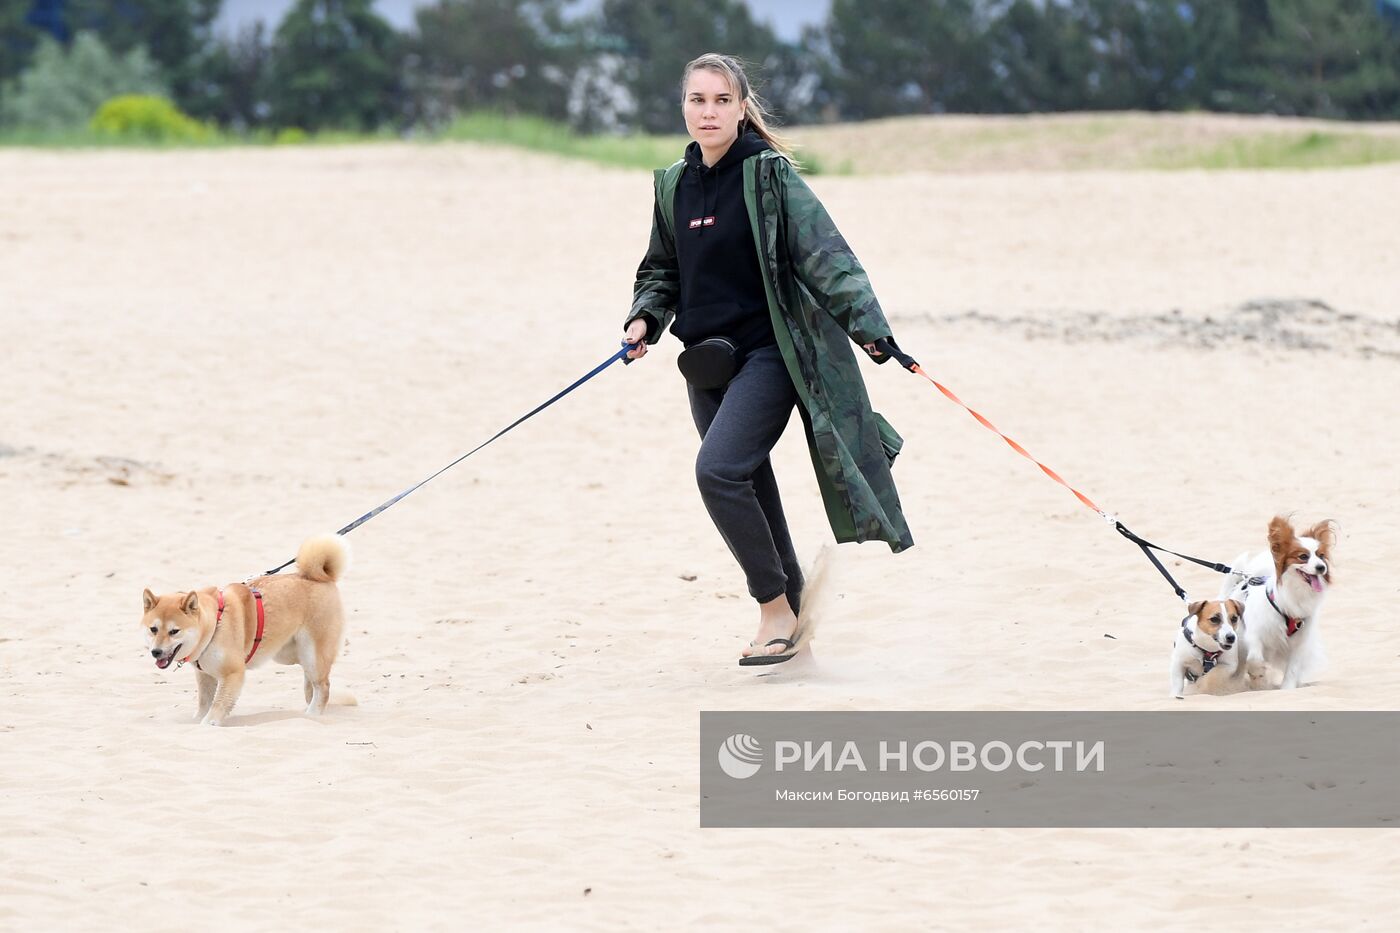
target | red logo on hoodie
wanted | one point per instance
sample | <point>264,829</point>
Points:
<point>702,222</point>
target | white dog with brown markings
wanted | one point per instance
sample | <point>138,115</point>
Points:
<point>1283,590</point>
<point>289,618</point>
<point>1203,653</point>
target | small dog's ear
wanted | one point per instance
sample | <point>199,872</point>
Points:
<point>1238,607</point>
<point>148,599</point>
<point>1325,532</point>
<point>190,606</point>
<point>1280,534</point>
<point>1195,608</point>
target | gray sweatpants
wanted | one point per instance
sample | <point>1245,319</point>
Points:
<point>739,424</point>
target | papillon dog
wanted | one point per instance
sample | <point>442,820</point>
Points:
<point>1283,589</point>
<point>1203,653</point>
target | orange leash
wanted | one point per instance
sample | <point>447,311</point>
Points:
<point>1011,443</point>
<point>887,348</point>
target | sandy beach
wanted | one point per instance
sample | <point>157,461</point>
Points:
<point>210,355</point>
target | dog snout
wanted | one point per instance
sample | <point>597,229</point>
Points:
<point>156,652</point>
<point>1230,638</point>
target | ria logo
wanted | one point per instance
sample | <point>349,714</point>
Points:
<point>740,756</point>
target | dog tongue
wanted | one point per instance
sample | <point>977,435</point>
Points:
<point>1316,583</point>
<point>163,663</point>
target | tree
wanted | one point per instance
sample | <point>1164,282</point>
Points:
<point>1328,58</point>
<point>794,84</point>
<point>19,34</point>
<point>512,55</point>
<point>334,64</point>
<point>908,56</point>
<point>654,41</point>
<point>1043,56</point>
<point>232,84</point>
<point>1158,54</point>
<point>176,33</point>
<point>62,88</point>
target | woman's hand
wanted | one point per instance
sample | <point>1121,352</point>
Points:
<point>636,333</point>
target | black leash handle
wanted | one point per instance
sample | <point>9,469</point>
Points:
<point>887,348</point>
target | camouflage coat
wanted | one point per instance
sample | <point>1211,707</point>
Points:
<point>818,296</point>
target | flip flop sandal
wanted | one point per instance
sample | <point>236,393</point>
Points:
<point>757,660</point>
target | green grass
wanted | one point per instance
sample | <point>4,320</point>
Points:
<point>1314,149</point>
<point>524,132</point>
<point>1112,142</point>
<point>85,138</point>
<point>637,150</point>
<point>79,139</point>
<point>541,135</point>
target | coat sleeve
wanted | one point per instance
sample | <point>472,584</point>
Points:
<point>825,264</point>
<point>658,281</point>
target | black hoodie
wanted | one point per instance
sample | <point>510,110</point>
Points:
<point>721,285</point>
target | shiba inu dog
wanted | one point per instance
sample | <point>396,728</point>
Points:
<point>290,618</point>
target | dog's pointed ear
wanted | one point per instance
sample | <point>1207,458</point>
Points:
<point>1195,608</point>
<point>1325,532</point>
<point>190,606</point>
<point>148,600</point>
<point>1280,535</point>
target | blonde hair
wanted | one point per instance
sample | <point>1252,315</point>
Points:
<point>756,115</point>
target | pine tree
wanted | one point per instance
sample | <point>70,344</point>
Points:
<point>176,33</point>
<point>334,65</point>
<point>63,87</point>
<point>1043,57</point>
<point>654,41</point>
<point>908,56</point>
<point>513,55</point>
<point>1327,58</point>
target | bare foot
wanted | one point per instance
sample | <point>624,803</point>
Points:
<point>776,620</point>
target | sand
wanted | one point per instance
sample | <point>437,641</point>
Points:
<point>211,355</point>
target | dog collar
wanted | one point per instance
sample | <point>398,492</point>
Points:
<point>1293,624</point>
<point>219,594</point>
<point>219,617</point>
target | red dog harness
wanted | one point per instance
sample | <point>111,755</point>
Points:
<point>257,638</point>
<point>1292,624</point>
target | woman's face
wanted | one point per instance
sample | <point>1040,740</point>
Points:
<point>712,109</point>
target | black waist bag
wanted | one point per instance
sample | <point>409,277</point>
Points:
<point>709,364</point>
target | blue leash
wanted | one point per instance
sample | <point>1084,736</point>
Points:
<point>619,355</point>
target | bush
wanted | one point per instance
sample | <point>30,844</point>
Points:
<point>290,136</point>
<point>150,119</point>
<point>62,87</point>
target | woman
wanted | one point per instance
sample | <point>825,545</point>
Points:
<point>765,294</point>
